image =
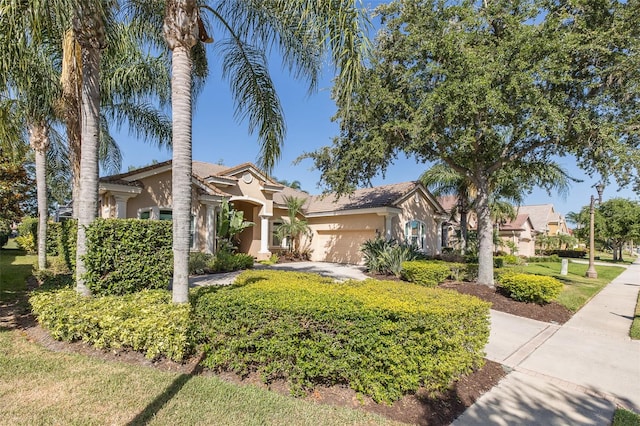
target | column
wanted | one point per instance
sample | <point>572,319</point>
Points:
<point>264,252</point>
<point>121,206</point>
<point>211,229</point>
<point>387,227</point>
<point>439,237</point>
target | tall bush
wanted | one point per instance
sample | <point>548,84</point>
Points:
<point>128,255</point>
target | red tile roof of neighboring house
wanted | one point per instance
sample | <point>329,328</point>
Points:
<point>517,224</point>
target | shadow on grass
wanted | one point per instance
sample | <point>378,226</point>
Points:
<point>161,400</point>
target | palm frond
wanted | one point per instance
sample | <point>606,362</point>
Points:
<point>144,121</point>
<point>109,153</point>
<point>255,97</point>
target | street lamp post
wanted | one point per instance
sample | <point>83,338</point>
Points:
<point>591,272</point>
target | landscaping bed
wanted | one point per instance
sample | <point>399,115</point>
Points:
<point>551,312</point>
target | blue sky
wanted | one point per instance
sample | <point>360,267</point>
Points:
<point>217,136</point>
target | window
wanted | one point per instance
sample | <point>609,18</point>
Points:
<point>165,215</point>
<point>145,214</point>
<point>414,232</point>
<point>275,238</point>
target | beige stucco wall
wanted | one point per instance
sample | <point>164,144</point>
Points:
<point>417,207</point>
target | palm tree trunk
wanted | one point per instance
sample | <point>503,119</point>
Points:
<point>39,141</point>
<point>181,176</point>
<point>485,234</point>
<point>88,203</point>
<point>71,82</point>
<point>181,34</point>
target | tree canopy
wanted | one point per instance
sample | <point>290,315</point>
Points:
<point>490,88</point>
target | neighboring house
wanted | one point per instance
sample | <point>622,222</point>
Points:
<point>520,232</point>
<point>545,219</point>
<point>339,225</point>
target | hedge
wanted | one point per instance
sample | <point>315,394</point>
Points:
<point>574,254</point>
<point>530,288</point>
<point>146,321</point>
<point>128,255</point>
<point>427,273</point>
<point>61,241</point>
<point>382,338</point>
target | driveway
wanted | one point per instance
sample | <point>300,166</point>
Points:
<point>337,271</point>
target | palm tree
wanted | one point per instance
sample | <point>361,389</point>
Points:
<point>507,185</point>
<point>295,227</point>
<point>302,29</point>
<point>34,94</point>
<point>443,180</point>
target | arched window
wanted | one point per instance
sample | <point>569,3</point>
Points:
<point>415,233</point>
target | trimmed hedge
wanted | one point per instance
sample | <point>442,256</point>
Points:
<point>574,254</point>
<point>146,321</point>
<point>530,288</point>
<point>128,255</point>
<point>427,273</point>
<point>61,241</point>
<point>382,338</point>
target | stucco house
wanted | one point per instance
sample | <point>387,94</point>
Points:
<point>545,219</point>
<point>339,225</point>
<point>521,233</point>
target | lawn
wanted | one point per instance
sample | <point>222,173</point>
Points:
<point>15,267</point>
<point>75,389</point>
<point>70,388</point>
<point>634,333</point>
<point>578,289</point>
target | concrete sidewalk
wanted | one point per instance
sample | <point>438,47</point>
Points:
<point>574,374</point>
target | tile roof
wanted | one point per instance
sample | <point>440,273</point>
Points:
<point>540,215</point>
<point>517,224</point>
<point>379,196</point>
<point>204,170</point>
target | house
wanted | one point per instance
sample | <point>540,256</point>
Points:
<point>545,219</point>
<point>339,225</point>
<point>520,233</point>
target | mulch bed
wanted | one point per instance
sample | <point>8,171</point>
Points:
<point>551,312</point>
<point>418,409</point>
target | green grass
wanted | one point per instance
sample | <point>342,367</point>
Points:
<point>624,417</point>
<point>38,386</point>
<point>69,388</point>
<point>603,256</point>
<point>578,289</point>
<point>634,332</point>
<point>15,267</point>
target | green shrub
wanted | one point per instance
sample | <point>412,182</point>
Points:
<point>530,288</point>
<point>382,256</point>
<point>128,255</point>
<point>511,259</point>
<point>382,338</point>
<point>224,261</point>
<point>5,232</point>
<point>199,263</point>
<point>61,241</point>
<point>427,273</point>
<point>498,261</point>
<point>146,321</point>
<point>574,254</point>
<point>471,272</point>
<point>28,234</point>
